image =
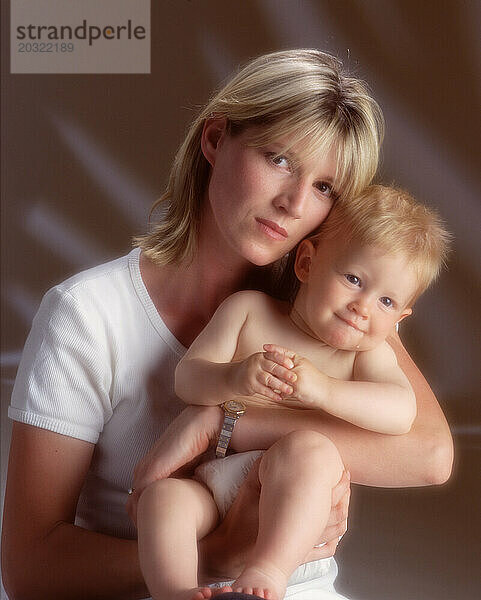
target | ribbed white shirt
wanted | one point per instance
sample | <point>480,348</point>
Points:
<point>98,365</point>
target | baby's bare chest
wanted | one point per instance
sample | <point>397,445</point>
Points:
<point>277,328</point>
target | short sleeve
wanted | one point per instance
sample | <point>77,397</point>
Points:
<point>64,377</point>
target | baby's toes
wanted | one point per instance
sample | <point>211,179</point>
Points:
<point>262,593</point>
<point>202,594</point>
<point>245,590</point>
<point>222,590</point>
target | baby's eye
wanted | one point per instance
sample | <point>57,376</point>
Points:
<point>387,302</point>
<point>354,279</point>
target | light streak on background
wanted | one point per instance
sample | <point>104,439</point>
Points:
<point>127,195</point>
<point>57,234</point>
<point>22,302</point>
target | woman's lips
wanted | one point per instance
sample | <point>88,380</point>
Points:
<point>273,230</point>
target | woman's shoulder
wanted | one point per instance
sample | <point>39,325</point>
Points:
<point>97,293</point>
<point>105,275</point>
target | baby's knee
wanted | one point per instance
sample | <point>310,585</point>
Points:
<point>305,450</point>
<point>163,493</point>
<point>297,444</point>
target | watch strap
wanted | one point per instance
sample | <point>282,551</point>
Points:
<point>225,434</point>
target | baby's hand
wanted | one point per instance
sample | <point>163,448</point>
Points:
<point>311,386</point>
<point>267,377</point>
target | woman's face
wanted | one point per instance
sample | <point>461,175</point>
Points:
<point>263,203</point>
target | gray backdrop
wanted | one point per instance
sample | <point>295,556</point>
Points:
<point>84,156</point>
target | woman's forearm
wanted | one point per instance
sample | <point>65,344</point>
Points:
<point>423,456</point>
<point>44,555</point>
<point>73,563</point>
<point>420,457</point>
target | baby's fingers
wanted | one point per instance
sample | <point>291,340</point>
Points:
<point>280,355</point>
<point>272,386</point>
<point>282,373</point>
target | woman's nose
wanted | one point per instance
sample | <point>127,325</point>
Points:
<point>293,199</point>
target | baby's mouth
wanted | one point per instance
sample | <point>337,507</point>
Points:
<point>350,323</point>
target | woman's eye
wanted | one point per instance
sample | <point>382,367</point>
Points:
<point>387,302</point>
<point>354,279</point>
<point>325,188</point>
<point>279,160</point>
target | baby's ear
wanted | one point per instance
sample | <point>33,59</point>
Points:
<point>302,266</point>
<point>405,313</point>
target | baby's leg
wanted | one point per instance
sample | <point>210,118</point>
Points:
<point>172,515</point>
<point>297,475</point>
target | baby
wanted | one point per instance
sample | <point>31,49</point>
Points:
<point>359,276</point>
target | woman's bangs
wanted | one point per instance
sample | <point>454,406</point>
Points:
<point>311,139</point>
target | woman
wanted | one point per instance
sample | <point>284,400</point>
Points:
<point>259,169</point>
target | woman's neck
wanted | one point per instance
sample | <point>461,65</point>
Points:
<point>186,296</point>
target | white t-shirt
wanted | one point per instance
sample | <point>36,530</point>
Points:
<point>98,365</point>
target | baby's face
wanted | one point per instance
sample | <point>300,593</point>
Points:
<point>352,296</point>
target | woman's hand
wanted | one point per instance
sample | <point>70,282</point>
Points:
<point>176,451</point>
<point>337,522</point>
<point>310,387</point>
<point>260,375</point>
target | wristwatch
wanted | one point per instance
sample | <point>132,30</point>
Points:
<point>233,410</point>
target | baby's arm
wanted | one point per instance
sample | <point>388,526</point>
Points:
<point>206,374</point>
<point>379,397</point>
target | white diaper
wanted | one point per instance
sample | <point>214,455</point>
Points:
<point>224,477</point>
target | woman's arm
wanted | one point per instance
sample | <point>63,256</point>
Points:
<point>423,456</point>
<point>44,555</point>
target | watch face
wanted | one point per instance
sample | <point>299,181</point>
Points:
<point>235,406</point>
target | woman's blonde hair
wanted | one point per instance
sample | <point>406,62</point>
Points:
<point>294,95</point>
<point>393,221</point>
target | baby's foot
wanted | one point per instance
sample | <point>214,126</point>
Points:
<point>222,590</point>
<point>266,582</point>
<point>205,593</point>
<point>201,594</point>
<point>195,594</point>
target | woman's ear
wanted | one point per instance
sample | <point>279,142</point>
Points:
<point>212,135</point>
<point>304,255</point>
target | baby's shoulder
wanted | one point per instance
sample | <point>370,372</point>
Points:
<point>254,302</point>
<point>382,354</point>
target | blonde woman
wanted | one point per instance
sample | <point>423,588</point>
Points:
<point>258,171</point>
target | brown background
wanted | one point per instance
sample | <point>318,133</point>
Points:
<point>83,157</point>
